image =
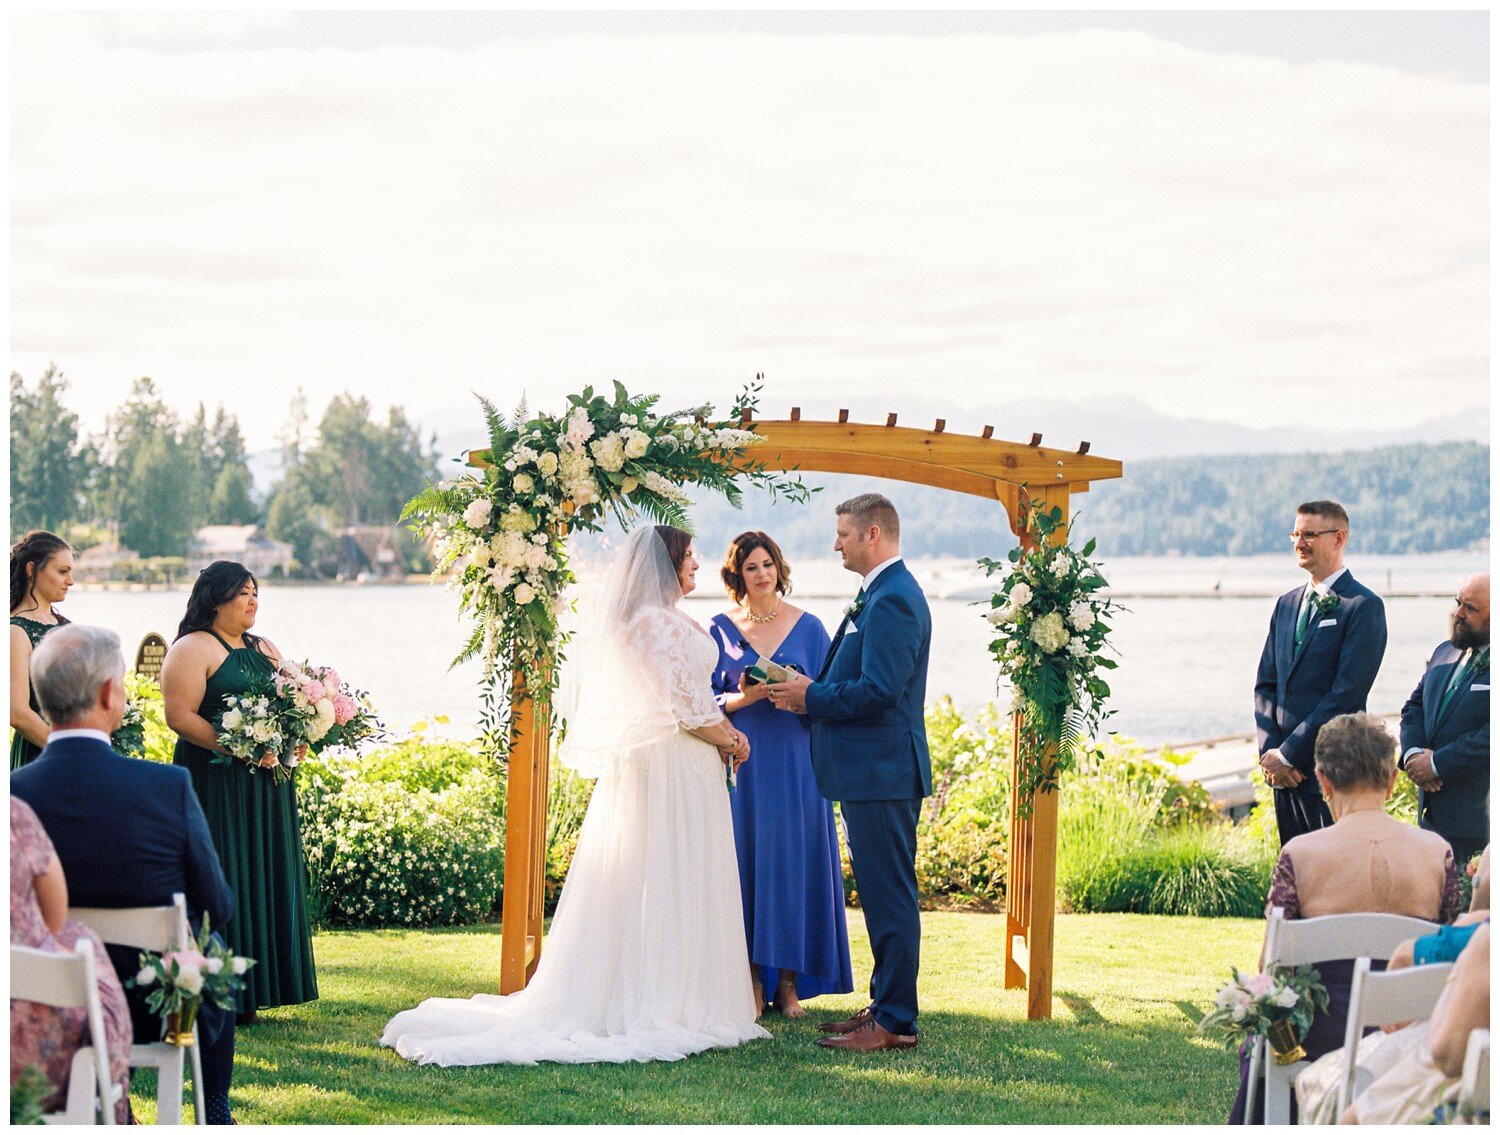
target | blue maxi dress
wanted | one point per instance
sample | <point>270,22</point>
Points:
<point>784,834</point>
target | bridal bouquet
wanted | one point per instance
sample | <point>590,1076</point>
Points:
<point>1279,1006</point>
<point>181,980</point>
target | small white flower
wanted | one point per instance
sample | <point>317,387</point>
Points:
<point>1020,595</point>
<point>1061,564</point>
<point>523,483</point>
<point>189,978</point>
<point>636,444</point>
<point>213,965</point>
<point>1239,1013</point>
<point>524,594</point>
<point>232,721</point>
<point>547,463</point>
<point>240,965</point>
<point>1286,999</point>
<point>1081,615</point>
<point>146,976</point>
<point>1077,647</point>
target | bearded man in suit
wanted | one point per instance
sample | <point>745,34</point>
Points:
<point>1445,728</point>
<point>1322,653</point>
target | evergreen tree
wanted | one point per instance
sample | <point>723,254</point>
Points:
<point>49,467</point>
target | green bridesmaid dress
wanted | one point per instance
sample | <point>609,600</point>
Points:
<point>22,751</point>
<point>253,822</point>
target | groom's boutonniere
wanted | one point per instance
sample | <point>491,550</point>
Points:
<point>852,611</point>
<point>1482,662</point>
<point>1325,603</point>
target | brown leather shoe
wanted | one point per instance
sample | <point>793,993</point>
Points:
<point>868,1037</point>
<point>849,1025</point>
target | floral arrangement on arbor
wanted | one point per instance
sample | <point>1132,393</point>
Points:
<point>502,532</point>
<point>1051,622</point>
<point>1279,1006</point>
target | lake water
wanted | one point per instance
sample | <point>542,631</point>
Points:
<point>1187,653</point>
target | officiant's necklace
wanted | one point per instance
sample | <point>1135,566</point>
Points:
<point>754,618</point>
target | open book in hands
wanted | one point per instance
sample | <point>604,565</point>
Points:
<point>767,671</point>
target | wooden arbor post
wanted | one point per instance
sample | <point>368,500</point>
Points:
<point>984,466</point>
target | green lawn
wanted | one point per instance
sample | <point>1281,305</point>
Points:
<point>1121,1048</point>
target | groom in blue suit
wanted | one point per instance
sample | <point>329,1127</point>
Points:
<point>869,752</point>
<point>1321,656</point>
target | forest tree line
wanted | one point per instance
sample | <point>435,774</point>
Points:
<point>152,477</point>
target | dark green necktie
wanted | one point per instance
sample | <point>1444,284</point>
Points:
<point>1305,617</point>
<point>1460,673</point>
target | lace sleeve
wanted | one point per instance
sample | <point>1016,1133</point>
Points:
<point>1453,903</point>
<point>674,663</point>
<point>1284,889</point>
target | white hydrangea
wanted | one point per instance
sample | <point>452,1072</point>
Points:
<point>1020,595</point>
<point>1077,647</point>
<point>580,429</point>
<point>1049,633</point>
<point>518,521</point>
<point>477,515</point>
<point>609,452</point>
<point>628,419</point>
<point>1081,615</point>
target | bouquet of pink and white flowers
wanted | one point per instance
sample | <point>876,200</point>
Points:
<point>322,709</point>
<point>1279,1006</point>
<point>254,725</point>
<point>181,980</point>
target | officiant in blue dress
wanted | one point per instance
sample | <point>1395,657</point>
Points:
<point>784,833</point>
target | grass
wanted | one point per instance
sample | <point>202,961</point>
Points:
<point>1120,1049</point>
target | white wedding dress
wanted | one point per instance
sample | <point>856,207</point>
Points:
<point>646,959</point>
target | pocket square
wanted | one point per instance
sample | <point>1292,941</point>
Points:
<point>1476,687</point>
<point>852,629</point>
<point>1329,623</point>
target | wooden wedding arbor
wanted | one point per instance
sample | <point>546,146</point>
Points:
<point>984,466</point>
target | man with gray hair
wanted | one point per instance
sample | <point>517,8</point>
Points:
<point>128,833</point>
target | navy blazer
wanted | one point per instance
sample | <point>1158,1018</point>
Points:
<point>1298,691</point>
<point>1460,744</point>
<point>128,832</point>
<point>869,735</point>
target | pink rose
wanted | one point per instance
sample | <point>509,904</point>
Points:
<point>344,709</point>
<point>1260,984</point>
<point>331,678</point>
<point>185,958</point>
<point>314,691</point>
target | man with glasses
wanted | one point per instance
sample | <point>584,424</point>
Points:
<point>1445,728</point>
<point>1321,656</point>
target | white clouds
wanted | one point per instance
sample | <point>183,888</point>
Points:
<point>1092,210</point>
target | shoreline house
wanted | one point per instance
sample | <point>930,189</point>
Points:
<point>247,544</point>
<point>371,553</point>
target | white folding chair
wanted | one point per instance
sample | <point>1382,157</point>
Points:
<point>1312,941</point>
<point>156,928</point>
<point>69,981</point>
<point>1474,1088</point>
<point>1377,999</point>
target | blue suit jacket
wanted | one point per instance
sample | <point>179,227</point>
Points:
<point>869,736</point>
<point>128,832</point>
<point>1298,691</point>
<point>1460,742</point>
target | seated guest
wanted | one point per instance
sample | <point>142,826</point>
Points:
<point>45,1036</point>
<point>1427,1083</point>
<point>1364,863</point>
<point>1319,1084</point>
<point>128,833</point>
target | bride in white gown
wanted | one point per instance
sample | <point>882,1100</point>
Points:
<point>646,956</point>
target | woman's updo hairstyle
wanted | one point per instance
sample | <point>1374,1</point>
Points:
<point>33,550</point>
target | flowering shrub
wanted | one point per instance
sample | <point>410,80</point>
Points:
<point>501,534</point>
<point>412,837</point>
<point>1051,623</point>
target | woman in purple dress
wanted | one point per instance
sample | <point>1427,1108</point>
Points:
<point>791,881</point>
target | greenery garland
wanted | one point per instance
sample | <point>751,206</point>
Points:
<point>501,534</point>
<point>1051,621</point>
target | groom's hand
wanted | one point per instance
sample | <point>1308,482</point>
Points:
<point>792,694</point>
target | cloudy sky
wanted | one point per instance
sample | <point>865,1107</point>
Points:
<point>1247,217</point>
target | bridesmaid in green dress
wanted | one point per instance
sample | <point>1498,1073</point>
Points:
<point>41,571</point>
<point>251,817</point>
